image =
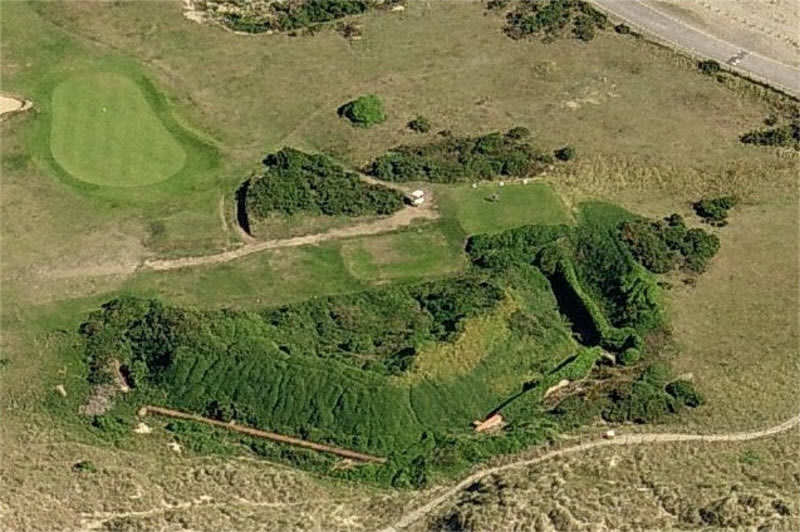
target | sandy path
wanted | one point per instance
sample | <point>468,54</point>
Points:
<point>624,439</point>
<point>344,453</point>
<point>400,219</point>
<point>9,104</point>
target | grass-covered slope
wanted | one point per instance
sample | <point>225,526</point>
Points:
<point>105,132</point>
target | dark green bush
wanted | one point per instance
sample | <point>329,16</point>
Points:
<point>787,136</point>
<point>684,391</point>
<point>715,210</point>
<point>84,466</point>
<point>709,67</point>
<point>567,153</point>
<point>295,182</point>
<point>460,159</point>
<point>364,111</point>
<point>667,244</point>
<point>622,29</point>
<point>518,133</point>
<point>629,357</point>
<point>420,124</point>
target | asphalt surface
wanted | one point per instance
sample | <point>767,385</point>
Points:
<point>650,20</point>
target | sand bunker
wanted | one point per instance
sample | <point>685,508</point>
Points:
<point>11,105</point>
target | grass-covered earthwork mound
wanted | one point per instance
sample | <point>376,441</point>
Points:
<point>402,370</point>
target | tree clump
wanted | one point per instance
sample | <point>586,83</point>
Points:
<point>294,182</point>
<point>419,124</point>
<point>665,245</point>
<point>462,159</point>
<point>714,211</point>
<point>365,111</point>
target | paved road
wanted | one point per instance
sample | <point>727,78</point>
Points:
<point>650,20</point>
<point>624,439</point>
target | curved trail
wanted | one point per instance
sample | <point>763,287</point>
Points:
<point>624,439</point>
<point>398,220</point>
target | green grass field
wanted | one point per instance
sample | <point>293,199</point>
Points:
<point>415,253</point>
<point>104,132</point>
<point>516,204</point>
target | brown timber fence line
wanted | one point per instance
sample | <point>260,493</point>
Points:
<point>344,453</point>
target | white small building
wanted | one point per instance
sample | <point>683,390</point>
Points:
<point>416,197</point>
<point>417,194</point>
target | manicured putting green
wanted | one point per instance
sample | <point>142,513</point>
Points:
<point>490,207</point>
<point>105,132</point>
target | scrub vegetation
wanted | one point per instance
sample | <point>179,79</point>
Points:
<point>346,369</point>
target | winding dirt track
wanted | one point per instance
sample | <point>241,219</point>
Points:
<point>398,220</point>
<point>625,439</point>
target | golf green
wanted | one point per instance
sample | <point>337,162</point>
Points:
<point>105,132</point>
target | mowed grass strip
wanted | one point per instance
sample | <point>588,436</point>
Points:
<point>408,254</point>
<point>104,132</point>
<point>490,207</point>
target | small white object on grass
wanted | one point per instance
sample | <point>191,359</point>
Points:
<point>609,434</point>
<point>502,183</point>
<point>60,389</point>
<point>474,185</point>
<point>525,181</point>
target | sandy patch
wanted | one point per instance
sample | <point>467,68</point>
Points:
<point>9,104</point>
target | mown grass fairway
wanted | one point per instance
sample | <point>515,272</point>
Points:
<point>408,254</point>
<point>104,132</point>
<point>516,204</point>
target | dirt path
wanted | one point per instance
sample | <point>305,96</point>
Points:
<point>400,219</point>
<point>9,104</point>
<point>624,439</point>
<point>338,451</point>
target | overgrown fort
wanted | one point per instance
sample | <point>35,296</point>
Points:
<point>399,265</point>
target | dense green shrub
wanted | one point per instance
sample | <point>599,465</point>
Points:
<point>786,136</point>
<point>567,153</point>
<point>715,210</point>
<point>460,159</point>
<point>364,111</point>
<point>709,67</point>
<point>684,391</point>
<point>295,182</point>
<point>84,466</point>
<point>420,124</point>
<point>667,244</point>
<point>642,401</point>
<point>551,18</point>
<point>629,357</point>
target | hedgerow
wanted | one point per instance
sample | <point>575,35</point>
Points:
<point>296,182</point>
<point>254,17</point>
<point>785,136</point>
<point>460,159</point>
<point>549,19</point>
